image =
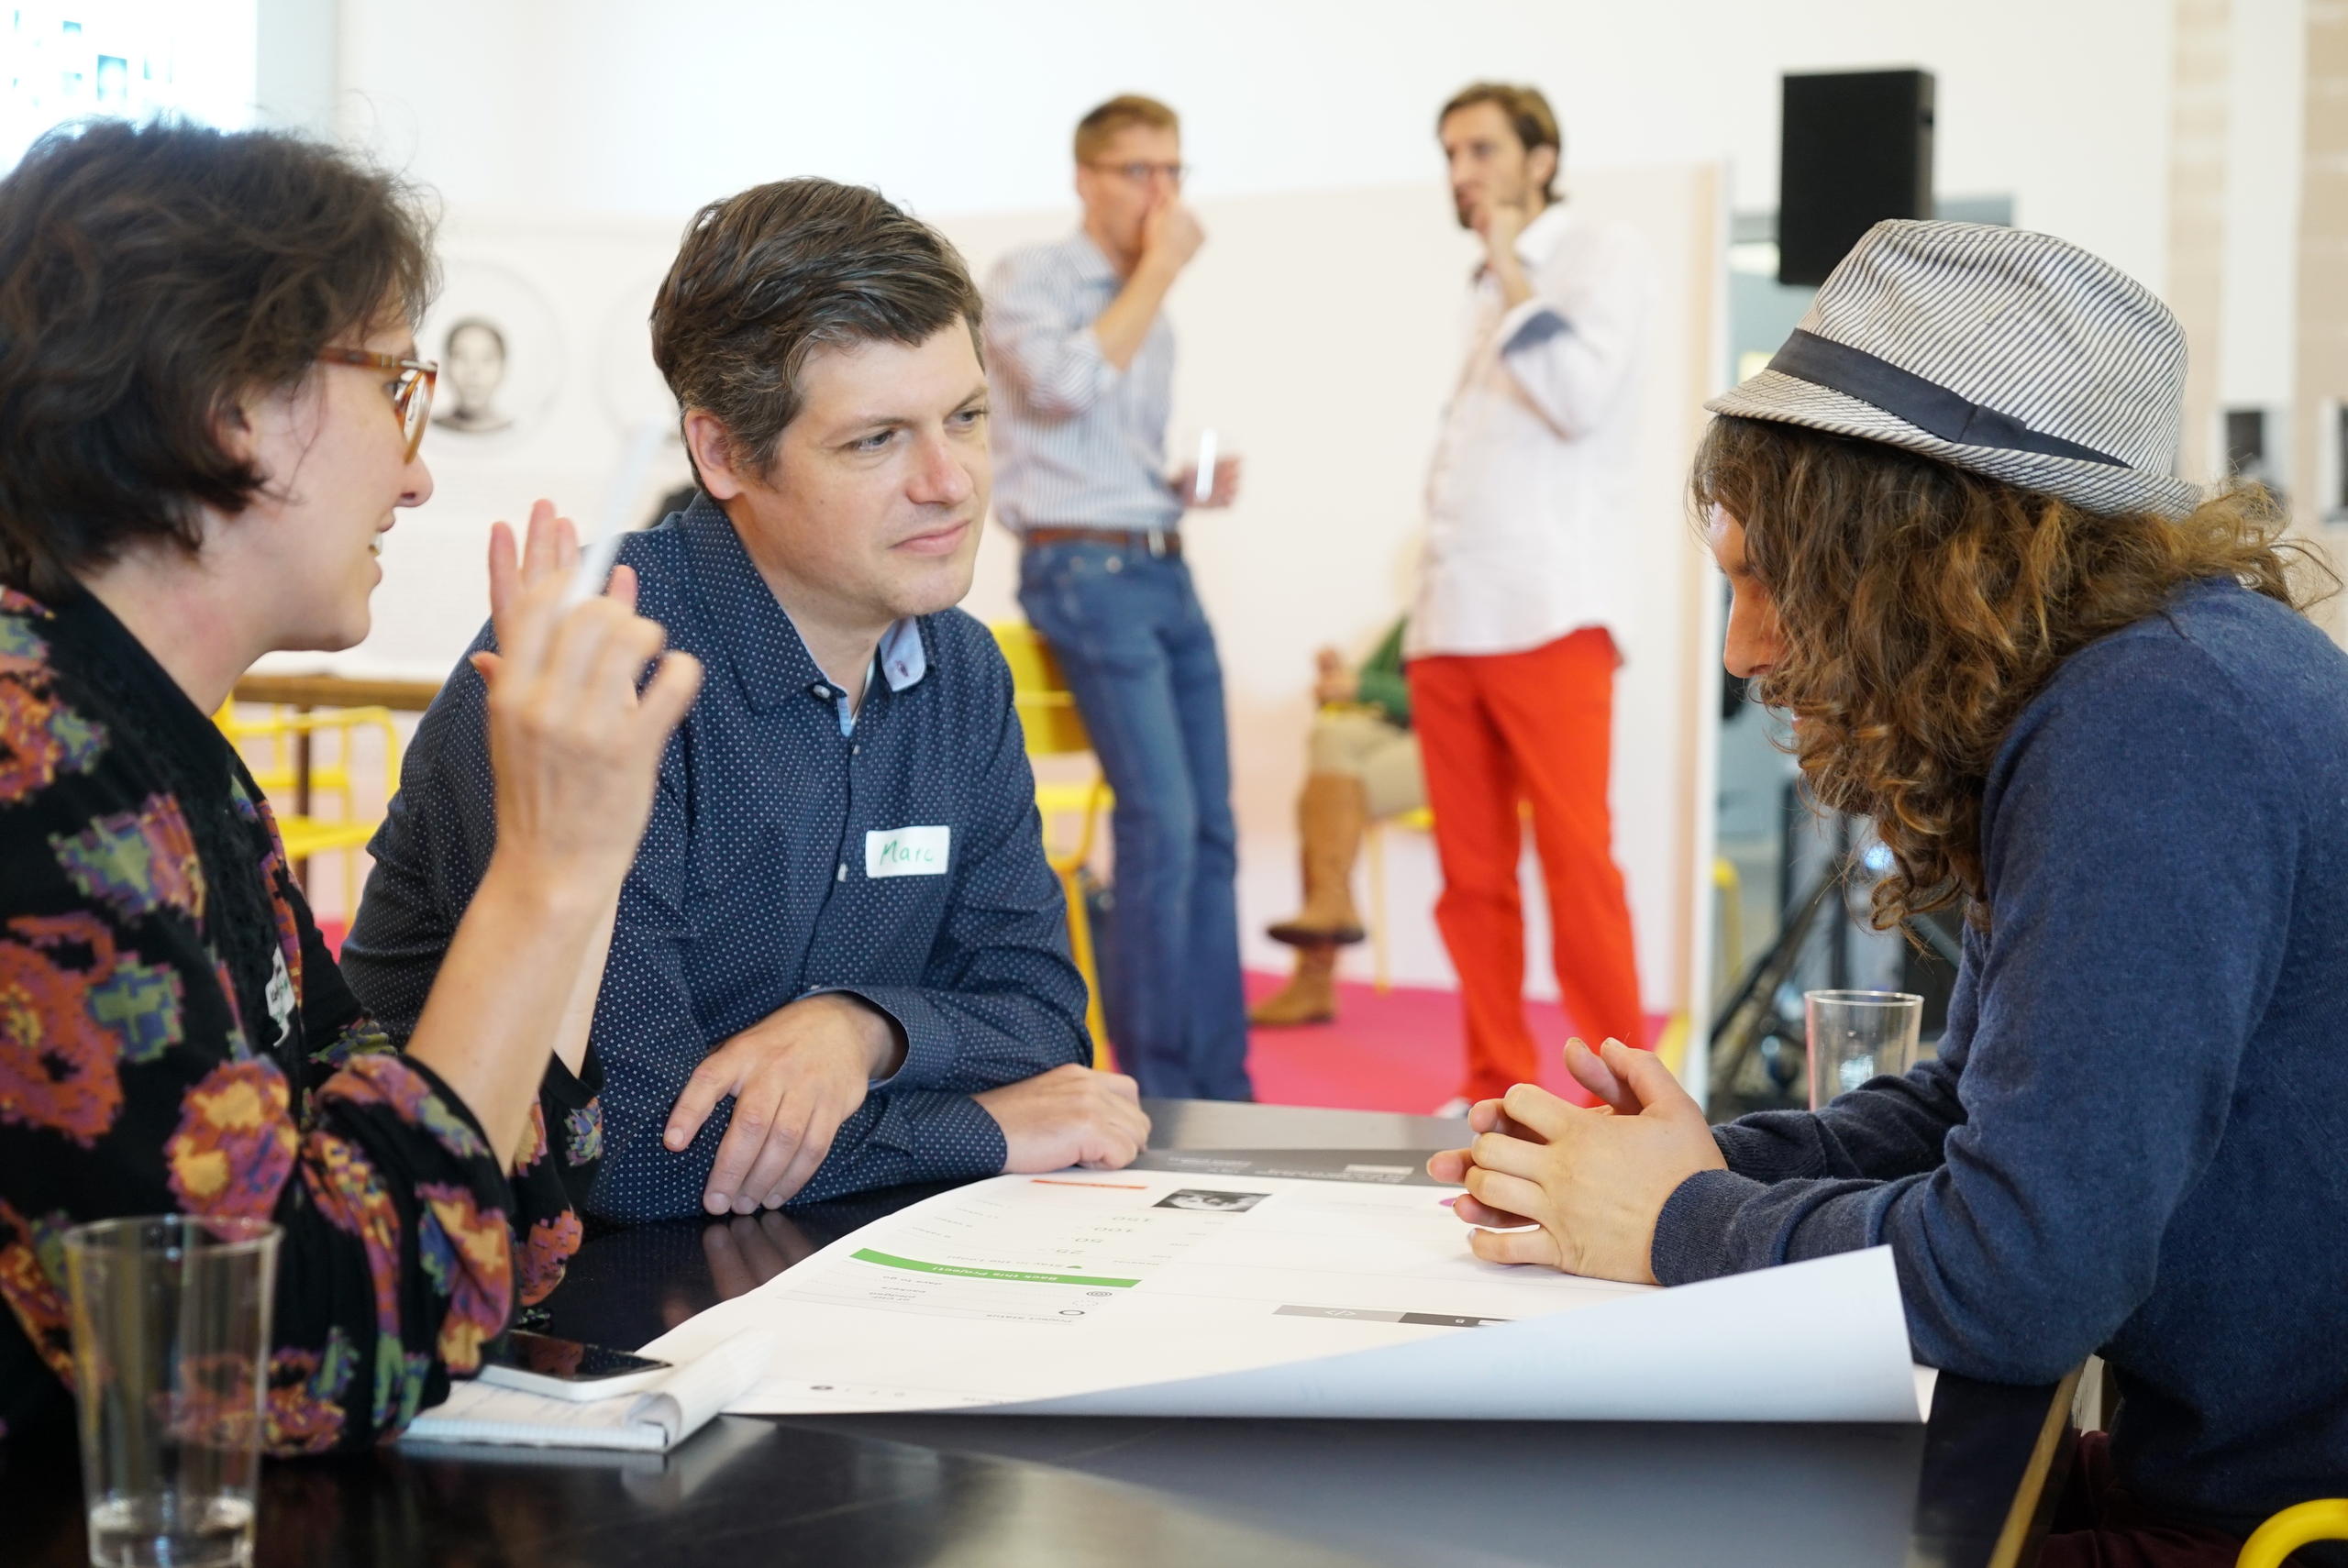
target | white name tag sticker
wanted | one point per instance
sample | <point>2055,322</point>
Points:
<point>907,851</point>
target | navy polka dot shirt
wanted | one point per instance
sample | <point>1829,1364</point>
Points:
<point>901,862</point>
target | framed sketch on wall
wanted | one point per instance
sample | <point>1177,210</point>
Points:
<point>500,351</point>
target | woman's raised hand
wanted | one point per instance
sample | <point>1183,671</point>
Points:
<point>575,745</point>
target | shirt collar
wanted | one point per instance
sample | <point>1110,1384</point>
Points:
<point>902,659</point>
<point>743,616</point>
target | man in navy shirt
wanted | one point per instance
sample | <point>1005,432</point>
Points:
<point>840,961</point>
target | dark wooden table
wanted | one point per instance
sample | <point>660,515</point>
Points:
<point>1966,1491</point>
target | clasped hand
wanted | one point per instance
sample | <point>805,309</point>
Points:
<point>1579,1190</point>
<point>793,1077</point>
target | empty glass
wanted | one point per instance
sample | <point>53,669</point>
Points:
<point>171,1356</point>
<point>1858,1035</point>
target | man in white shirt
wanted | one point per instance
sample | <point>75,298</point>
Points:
<point>1512,644</point>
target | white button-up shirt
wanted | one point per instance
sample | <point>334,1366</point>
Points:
<point>1529,513</point>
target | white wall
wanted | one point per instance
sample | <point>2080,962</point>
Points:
<point>590,129</point>
<point>2260,286</point>
<point>629,106</point>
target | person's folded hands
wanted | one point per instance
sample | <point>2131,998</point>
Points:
<point>1579,1190</point>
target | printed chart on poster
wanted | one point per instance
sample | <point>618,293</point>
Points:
<point>1287,1285</point>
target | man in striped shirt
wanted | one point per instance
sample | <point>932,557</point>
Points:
<point>1082,362</point>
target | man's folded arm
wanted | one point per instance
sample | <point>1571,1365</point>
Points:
<point>1056,362</point>
<point>909,1135</point>
<point>1571,345</point>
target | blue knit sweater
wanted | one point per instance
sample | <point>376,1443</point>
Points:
<point>2135,1139</point>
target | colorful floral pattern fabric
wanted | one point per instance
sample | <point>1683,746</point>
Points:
<point>149,928</point>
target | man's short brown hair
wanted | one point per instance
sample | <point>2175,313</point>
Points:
<point>1529,115</point>
<point>1098,128</point>
<point>765,278</point>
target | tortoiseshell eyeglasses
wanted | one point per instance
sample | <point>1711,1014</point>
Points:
<point>410,389</point>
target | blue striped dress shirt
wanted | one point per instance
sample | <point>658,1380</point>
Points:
<point>1077,442</point>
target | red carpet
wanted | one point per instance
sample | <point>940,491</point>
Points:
<point>1401,1051</point>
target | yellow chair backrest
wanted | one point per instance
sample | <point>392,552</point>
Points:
<point>1047,708</point>
<point>2292,1529</point>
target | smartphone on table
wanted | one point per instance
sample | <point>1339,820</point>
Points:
<point>566,1369</point>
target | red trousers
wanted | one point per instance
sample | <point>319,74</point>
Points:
<point>1537,726</point>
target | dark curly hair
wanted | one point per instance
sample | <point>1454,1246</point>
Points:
<point>1922,606</point>
<point>151,276</point>
<point>765,278</point>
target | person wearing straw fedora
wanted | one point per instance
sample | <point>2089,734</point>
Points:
<point>2076,696</point>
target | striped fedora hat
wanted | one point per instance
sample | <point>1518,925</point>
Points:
<point>2012,354</point>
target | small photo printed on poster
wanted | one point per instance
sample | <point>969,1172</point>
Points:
<point>1206,1201</point>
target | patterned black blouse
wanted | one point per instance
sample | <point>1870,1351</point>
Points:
<point>175,1037</point>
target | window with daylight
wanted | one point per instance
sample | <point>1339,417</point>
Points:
<point>69,60</point>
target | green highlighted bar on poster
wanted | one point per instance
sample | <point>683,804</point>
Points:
<point>865,1255</point>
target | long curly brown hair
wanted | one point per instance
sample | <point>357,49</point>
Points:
<point>1922,606</point>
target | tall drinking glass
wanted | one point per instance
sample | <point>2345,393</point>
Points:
<point>171,1356</point>
<point>1858,1035</point>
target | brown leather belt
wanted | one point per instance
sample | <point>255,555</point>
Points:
<point>1162,543</point>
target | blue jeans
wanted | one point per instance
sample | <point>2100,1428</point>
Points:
<point>1140,660</point>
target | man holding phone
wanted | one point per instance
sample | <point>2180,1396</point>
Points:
<point>1082,364</point>
<point>1513,646</point>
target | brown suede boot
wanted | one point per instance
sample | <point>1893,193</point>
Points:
<point>1332,813</point>
<point>1310,996</point>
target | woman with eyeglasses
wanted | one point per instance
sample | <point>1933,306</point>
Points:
<point>211,408</point>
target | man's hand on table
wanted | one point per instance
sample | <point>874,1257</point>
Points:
<point>1593,1182</point>
<point>793,1077</point>
<point>1069,1116</point>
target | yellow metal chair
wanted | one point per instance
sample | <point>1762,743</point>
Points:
<point>1052,727</point>
<point>306,832</point>
<point>2292,1529</point>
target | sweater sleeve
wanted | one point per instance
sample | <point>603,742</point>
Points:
<point>2140,845</point>
<point>130,1084</point>
<point>1886,1128</point>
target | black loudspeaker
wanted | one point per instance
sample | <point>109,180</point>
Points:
<point>1856,149</point>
